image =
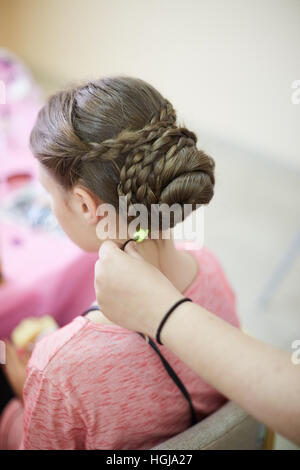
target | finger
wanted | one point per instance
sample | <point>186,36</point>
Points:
<point>12,360</point>
<point>131,249</point>
<point>107,247</point>
<point>10,349</point>
<point>16,355</point>
<point>24,355</point>
<point>11,353</point>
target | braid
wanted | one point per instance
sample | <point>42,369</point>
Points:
<point>142,176</point>
<point>141,148</point>
<point>118,136</point>
<point>147,157</point>
<point>128,140</point>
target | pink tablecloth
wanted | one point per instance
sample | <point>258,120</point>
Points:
<point>44,274</point>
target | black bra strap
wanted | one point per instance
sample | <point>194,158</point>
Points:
<point>175,378</point>
<point>90,309</point>
<point>166,365</point>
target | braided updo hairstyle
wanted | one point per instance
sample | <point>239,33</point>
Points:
<point>117,136</point>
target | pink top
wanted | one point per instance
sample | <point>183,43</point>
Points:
<point>99,386</point>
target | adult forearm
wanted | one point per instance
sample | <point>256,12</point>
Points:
<point>259,377</point>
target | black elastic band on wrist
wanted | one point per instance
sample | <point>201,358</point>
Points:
<point>167,316</point>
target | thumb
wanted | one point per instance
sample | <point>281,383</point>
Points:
<point>107,247</point>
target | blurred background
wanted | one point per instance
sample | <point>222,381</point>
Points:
<point>228,68</point>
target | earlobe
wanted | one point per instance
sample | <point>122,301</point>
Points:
<point>91,217</point>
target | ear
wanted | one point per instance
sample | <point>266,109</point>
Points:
<point>87,204</point>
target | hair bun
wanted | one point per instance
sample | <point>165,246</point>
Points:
<point>170,170</point>
<point>118,136</point>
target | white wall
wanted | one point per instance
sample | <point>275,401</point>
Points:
<point>227,65</point>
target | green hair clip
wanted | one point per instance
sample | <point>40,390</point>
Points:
<point>140,235</point>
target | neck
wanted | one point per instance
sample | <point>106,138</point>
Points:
<point>178,266</point>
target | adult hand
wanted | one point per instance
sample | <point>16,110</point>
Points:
<point>260,378</point>
<point>130,291</point>
<point>15,368</point>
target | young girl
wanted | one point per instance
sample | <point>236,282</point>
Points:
<point>93,384</point>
